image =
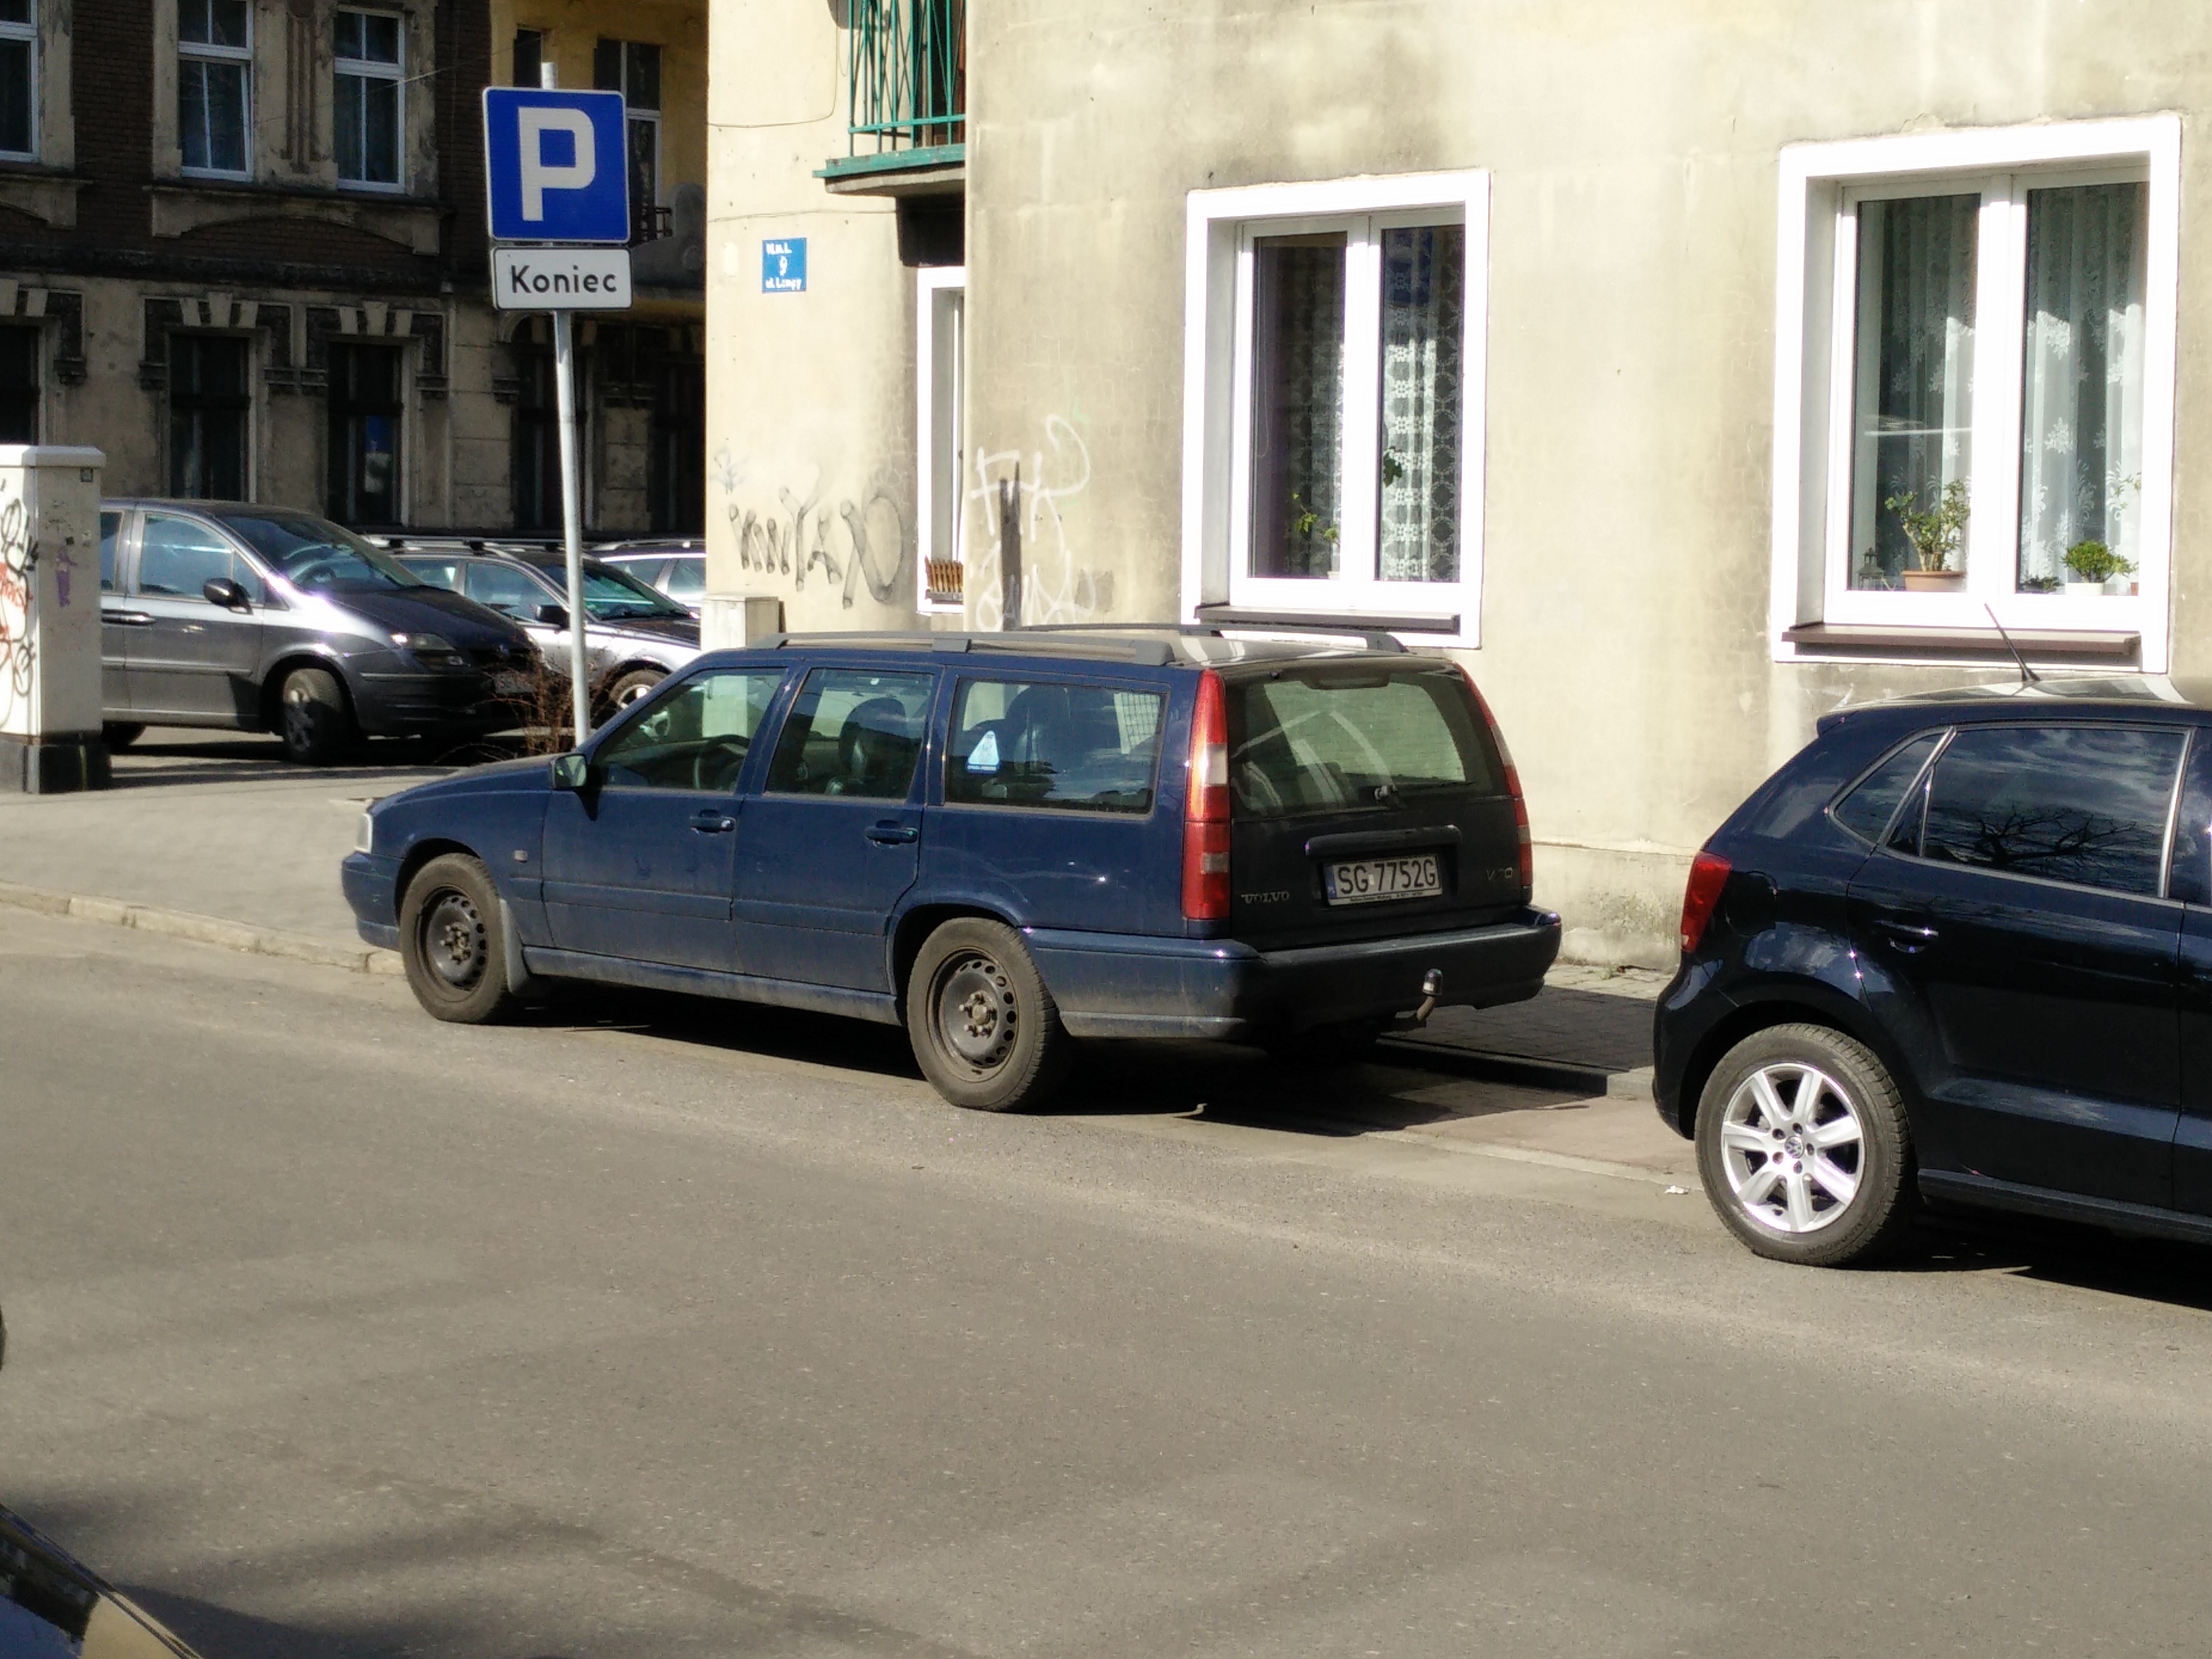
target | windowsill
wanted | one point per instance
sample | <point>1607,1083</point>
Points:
<point>362,187</point>
<point>46,194</point>
<point>193,201</point>
<point>1850,640</point>
<point>939,170</point>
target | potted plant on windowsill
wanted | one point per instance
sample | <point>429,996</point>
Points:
<point>1934,535</point>
<point>2094,567</point>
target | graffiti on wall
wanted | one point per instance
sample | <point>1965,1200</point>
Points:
<point>1022,566</point>
<point>853,542</point>
<point>19,558</point>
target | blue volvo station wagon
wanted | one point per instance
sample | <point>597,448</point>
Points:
<point>1002,842</point>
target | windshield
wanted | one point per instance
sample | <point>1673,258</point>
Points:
<point>610,595</point>
<point>316,553</point>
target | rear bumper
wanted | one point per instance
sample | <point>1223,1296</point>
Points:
<point>1124,985</point>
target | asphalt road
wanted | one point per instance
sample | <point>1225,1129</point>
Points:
<point>657,1329</point>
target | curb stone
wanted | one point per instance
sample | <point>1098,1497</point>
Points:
<point>203,930</point>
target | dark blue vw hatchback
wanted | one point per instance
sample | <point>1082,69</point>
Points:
<point>1960,949</point>
<point>1001,840</point>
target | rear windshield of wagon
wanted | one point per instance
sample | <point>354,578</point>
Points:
<point>1335,738</point>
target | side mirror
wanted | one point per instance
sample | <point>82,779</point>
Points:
<point>553,616</point>
<point>572,771</point>
<point>221,590</point>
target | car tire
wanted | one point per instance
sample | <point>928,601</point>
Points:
<point>1804,1148</point>
<point>452,942</point>
<point>984,1030</point>
<point>627,689</point>
<point>120,734</point>
<point>1345,1042</point>
<point>312,721</point>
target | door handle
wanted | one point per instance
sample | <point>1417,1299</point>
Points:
<point>708,822</point>
<point>1906,937</point>
<point>890,834</point>
<point>128,618</point>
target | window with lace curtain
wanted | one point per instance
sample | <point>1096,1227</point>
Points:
<point>1337,441</point>
<point>1985,389</point>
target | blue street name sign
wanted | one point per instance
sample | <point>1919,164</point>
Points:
<point>783,265</point>
<point>555,166</point>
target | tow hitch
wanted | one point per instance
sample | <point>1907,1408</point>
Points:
<point>1433,986</point>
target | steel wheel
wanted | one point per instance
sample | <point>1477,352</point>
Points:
<point>455,945</point>
<point>978,1011</point>
<point>1793,1147</point>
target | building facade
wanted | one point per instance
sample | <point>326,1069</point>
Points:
<point>1685,369</point>
<point>246,258</point>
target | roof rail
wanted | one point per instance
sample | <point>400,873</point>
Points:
<point>1375,639</point>
<point>1149,653</point>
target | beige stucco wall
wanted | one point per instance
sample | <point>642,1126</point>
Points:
<point>810,397</point>
<point>1632,146</point>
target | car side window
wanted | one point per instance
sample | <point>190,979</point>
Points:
<point>696,737</point>
<point>1867,810</point>
<point>177,557</point>
<point>111,526</point>
<point>2075,803</point>
<point>2189,876</point>
<point>446,574</point>
<point>852,732</point>
<point>687,578</point>
<point>1040,744</point>
<point>503,587</point>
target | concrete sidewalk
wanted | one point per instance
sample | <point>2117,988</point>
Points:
<point>214,837</point>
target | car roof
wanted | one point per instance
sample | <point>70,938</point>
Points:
<point>1155,645</point>
<point>2086,694</point>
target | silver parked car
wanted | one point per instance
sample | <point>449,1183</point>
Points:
<point>633,637</point>
<point>263,619</point>
<point>677,569</point>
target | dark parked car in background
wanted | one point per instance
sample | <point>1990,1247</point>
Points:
<point>677,569</point>
<point>262,619</point>
<point>1958,950</point>
<point>1000,841</point>
<point>634,638</point>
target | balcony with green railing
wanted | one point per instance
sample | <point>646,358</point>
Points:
<point>906,70</point>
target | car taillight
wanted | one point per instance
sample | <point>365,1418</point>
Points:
<point>1206,808</point>
<point>1528,852</point>
<point>1709,873</point>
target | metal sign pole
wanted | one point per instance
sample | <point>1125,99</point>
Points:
<point>571,530</point>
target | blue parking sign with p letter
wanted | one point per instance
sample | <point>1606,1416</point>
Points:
<point>783,265</point>
<point>555,166</point>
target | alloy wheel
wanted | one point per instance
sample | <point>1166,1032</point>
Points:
<point>1793,1147</point>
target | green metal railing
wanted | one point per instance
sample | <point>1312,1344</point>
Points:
<point>909,76</point>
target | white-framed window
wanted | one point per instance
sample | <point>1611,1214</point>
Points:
<point>215,97</point>
<point>368,100</point>
<point>1981,322</point>
<point>1332,420</point>
<point>940,457</point>
<point>19,80</point>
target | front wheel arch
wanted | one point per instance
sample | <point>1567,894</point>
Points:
<point>272,685</point>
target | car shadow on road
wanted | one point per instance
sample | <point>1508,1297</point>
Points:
<point>749,1028</point>
<point>171,757</point>
<point>2080,1257</point>
<point>1402,1088</point>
